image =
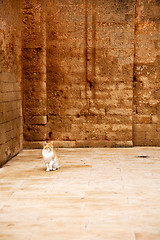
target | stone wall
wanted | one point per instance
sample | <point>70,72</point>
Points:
<point>90,57</point>
<point>146,111</point>
<point>91,72</point>
<point>11,134</point>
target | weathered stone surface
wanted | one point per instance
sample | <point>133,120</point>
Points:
<point>34,69</point>
<point>146,74</point>
<point>90,52</point>
<point>90,72</point>
<point>11,131</point>
<point>34,132</point>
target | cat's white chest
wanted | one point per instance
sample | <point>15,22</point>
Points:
<point>47,155</point>
<point>50,160</point>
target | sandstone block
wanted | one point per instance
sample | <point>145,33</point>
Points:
<point>145,127</point>
<point>2,138</point>
<point>37,120</point>
<point>155,119</point>
<point>143,119</point>
<point>153,135</point>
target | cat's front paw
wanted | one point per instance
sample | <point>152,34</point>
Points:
<point>47,170</point>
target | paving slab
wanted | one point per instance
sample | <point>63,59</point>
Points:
<point>97,194</point>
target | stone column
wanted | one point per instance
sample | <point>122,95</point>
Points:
<point>146,114</point>
<point>34,70</point>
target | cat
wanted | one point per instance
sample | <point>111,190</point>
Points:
<point>50,157</point>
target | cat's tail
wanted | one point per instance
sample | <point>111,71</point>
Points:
<point>59,165</point>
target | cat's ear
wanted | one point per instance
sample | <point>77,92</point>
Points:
<point>52,143</point>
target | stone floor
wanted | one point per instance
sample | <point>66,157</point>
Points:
<point>97,194</point>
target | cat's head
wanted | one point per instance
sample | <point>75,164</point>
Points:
<point>48,146</point>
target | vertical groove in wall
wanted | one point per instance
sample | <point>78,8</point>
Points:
<point>85,47</point>
<point>93,43</point>
<point>134,78</point>
<point>45,59</point>
<point>90,48</point>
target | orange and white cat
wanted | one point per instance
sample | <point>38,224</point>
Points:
<point>50,157</point>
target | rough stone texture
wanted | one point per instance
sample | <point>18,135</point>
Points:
<point>11,134</point>
<point>34,69</point>
<point>90,54</point>
<point>146,127</point>
<point>90,71</point>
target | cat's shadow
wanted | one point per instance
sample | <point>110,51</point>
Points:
<point>68,167</point>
